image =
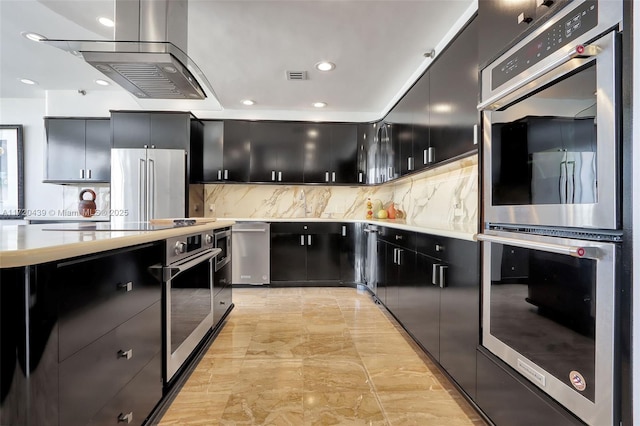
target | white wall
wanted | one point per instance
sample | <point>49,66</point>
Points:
<point>30,112</point>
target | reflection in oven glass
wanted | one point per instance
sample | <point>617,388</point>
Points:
<point>190,302</point>
<point>543,306</point>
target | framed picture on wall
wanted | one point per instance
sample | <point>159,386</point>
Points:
<point>11,172</point>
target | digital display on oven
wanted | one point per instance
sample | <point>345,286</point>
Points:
<point>194,242</point>
<point>574,24</point>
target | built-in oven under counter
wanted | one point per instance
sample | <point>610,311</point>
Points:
<point>187,277</point>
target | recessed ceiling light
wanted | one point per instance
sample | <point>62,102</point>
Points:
<point>325,66</point>
<point>319,104</point>
<point>102,82</point>
<point>248,102</point>
<point>106,21</point>
<point>27,81</point>
<point>32,36</point>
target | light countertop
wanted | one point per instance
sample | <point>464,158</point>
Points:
<point>22,245</point>
<point>462,231</point>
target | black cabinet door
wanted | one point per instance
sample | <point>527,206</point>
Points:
<point>265,144</point>
<point>237,151</point>
<point>454,96</point>
<point>323,256</point>
<point>169,130</point>
<point>65,149</point>
<point>213,151</point>
<point>318,163</point>
<point>98,150</point>
<point>366,144</point>
<point>290,147</point>
<point>499,25</point>
<point>381,271</point>
<point>130,130</point>
<point>459,312</point>
<point>407,280</point>
<point>422,299</point>
<point>348,252</point>
<point>391,278</point>
<point>344,147</point>
<point>288,256</point>
<point>421,121</point>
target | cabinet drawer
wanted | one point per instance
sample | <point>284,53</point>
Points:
<point>137,399</point>
<point>95,296</point>
<point>432,245</point>
<point>221,303</point>
<point>94,375</point>
<point>404,239</point>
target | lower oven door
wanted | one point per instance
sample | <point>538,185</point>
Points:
<point>188,307</point>
<point>548,312</point>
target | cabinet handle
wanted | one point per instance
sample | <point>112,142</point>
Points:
<point>390,172</point>
<point>279,176</point>
<point>126,286</point>
<point>524,18</point>
<point>431,155</point>
<point>439,248</point>
<point>301,240</point>
<point>326,176</point>
<point>89,172</point>
<point>434,274</point>
<point>333,176</point>
<point>398,237</point>
<point>443,281</point>
<point>410,163</point>
<point>226,174</point>
<point>125,354</point>
<point>145,146</point>
<point>81,173</point>
<point>273,175</point>
<point>400,256</point>
<point>344,230</point>
<point>309,239</point>
<point>219,174</point>
<point>547,3</point>
<point>360,177</point>
<point>475,134</point>
<point>222,302</point>
<point>153,147</point>
<point>424,157</point>
<point>125,418</point>
<point>395,256</point>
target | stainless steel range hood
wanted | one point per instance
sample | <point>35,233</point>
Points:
<point>147,55</point>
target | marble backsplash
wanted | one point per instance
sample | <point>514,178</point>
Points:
<point>447,194</point>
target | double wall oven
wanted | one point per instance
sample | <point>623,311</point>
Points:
<point>551,207</point>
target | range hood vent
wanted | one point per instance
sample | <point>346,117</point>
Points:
<point>147,56</point>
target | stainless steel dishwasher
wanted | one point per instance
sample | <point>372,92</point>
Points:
<point>250,252</point>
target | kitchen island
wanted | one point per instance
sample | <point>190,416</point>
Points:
<point>81,323</point>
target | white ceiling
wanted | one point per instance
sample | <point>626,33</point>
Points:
<point>244,49</point>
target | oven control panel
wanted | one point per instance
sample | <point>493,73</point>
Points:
<point>187,245</point>
<point>572,25</point>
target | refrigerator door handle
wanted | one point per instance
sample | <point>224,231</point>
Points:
<point>151,198</point>
<point>142,183</point>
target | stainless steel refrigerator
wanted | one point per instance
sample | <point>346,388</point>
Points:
<point>147,184</point>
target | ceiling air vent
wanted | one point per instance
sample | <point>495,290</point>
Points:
<point>296,75</point>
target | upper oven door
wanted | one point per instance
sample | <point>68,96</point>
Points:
<point>550,139</point>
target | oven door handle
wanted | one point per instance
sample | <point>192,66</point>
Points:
<point>166,273</point>
<point>574,251</point>
<point>579,50</point>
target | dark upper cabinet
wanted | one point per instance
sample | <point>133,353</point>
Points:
<point>277,151</point>
<point>344,153</point>
<point>318,163</point>
<point>330,153</point>
<point>454,97</point>
<point>162,130</point>
<point>503,22</point>
<point>365,162</point>
<point>77,150</point>
<point>226,151</point>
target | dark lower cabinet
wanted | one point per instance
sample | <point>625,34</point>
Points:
<point>509,400</point>
<point>349,233</point>
<point>302,252</point>
<point>81,342</point>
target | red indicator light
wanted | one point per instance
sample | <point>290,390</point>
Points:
<point>580,49</point>
<point>580,252</point>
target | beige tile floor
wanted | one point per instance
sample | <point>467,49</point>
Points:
<point>315,356</point>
